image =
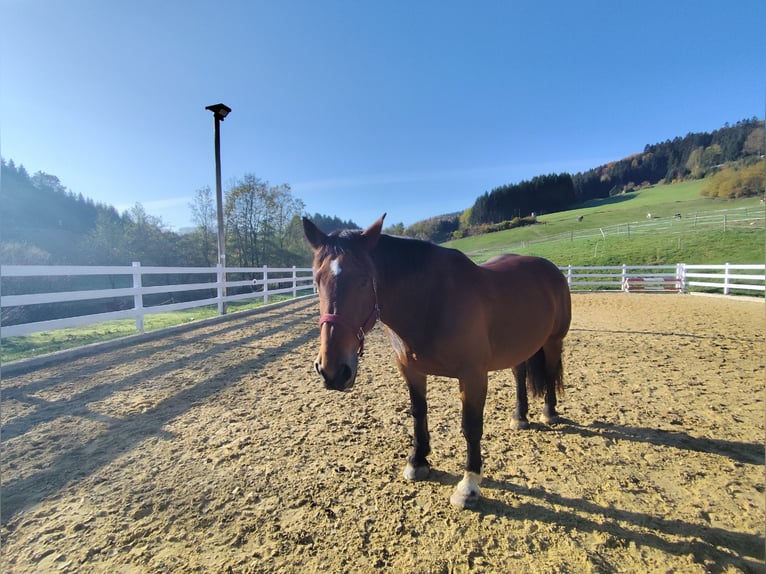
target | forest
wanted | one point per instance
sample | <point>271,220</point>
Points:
<point>692,157</point>
<point>43,222</point>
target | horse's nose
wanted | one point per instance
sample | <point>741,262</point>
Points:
<point>341,380</point>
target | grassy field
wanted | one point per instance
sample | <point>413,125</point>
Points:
<point>616,230</point>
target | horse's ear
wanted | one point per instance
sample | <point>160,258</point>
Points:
<point>313,234</point>
<point>372,233</point>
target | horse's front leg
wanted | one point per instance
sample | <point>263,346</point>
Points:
<point>473,393</point>
<point>417,464</point>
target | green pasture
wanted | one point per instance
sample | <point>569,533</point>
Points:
<point>629,237</point>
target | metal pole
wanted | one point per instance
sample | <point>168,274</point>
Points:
<point>219,209</point>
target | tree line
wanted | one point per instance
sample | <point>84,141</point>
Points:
<point>42,222</point>
<point>694,156</point>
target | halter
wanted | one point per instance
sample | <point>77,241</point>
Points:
<point>369,323</point>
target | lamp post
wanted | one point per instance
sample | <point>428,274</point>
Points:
<point>220,111</point>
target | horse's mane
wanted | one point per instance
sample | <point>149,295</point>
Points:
<point>338,243</point>
<point>402,255</point>
<point>408,256</point>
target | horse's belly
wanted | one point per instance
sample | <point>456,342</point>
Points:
<point>512,346</point>
<point>511,356</point>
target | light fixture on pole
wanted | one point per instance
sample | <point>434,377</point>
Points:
<point>220,111</point>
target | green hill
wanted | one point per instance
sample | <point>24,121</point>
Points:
<point>619,230</point>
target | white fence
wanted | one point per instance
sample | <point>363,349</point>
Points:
<point>130,289</point>
<point>136,291</point>
<point>727,278</point>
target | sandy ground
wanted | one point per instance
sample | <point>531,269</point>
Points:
<point>216,450</point>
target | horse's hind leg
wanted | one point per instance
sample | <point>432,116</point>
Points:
<point>553,380</point>
<point>417,465</point>
<point>519,420</point>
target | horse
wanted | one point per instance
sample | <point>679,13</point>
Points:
<point>444,315</point>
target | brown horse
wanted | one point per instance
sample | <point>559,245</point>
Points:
<point>444,316</point>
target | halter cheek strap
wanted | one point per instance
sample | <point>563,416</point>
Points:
<point>369,323</point>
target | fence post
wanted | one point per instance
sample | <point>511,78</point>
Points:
<point>295,283</point>
<point>265,284</point>
<point>138,298</point>
<point>681,277</point>
<point>624,276</point>
<point>569,276</point>
<point>726,272</point>
<point>220,288</point>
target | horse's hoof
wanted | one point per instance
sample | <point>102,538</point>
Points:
<point>519,424</point>
<point>550,419</point>
<point>460,500</point>
<point>467,493</point>
<point>416,472</point>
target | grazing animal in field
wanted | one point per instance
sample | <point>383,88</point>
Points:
<point>446,316</point>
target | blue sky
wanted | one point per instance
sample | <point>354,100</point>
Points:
<point>362,107</point>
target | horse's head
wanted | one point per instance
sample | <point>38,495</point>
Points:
<point>348,306</point>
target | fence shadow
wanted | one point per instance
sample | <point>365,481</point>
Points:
<point>77,403</point>
<point>121,435</point>
<point>744,452</point>
<point>149,343</point>
<point>671,536</point>
<point>716,337</point>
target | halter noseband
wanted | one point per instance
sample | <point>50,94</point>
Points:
<point>369,323</point>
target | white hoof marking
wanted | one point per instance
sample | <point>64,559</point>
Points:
<point>415,472</point>
<point>467,491</point>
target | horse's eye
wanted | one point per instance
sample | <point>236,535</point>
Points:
<point>364,282</point>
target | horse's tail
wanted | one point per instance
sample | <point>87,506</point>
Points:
<point>538,374</point>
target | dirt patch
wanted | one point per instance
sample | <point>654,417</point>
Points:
<point>216,450</point>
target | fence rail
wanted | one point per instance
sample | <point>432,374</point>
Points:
<point>726,278</point>
<point>128,292</point>
<point>134,292</point>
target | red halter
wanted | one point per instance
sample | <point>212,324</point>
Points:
<point>369,323</point>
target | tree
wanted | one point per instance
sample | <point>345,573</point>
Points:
<point>328,223</point>
<point>395,229</point>
<point>754,143</point>
<point>694,163</point>
<point>107,242</point>
<point>712,156</point>
<point>245,213</point>
<point>286,209</point>
<point>734,182</point>
<point>204,216</point>
<point>14,253</point>
<point>147,240</point>
<point>259,222</point>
